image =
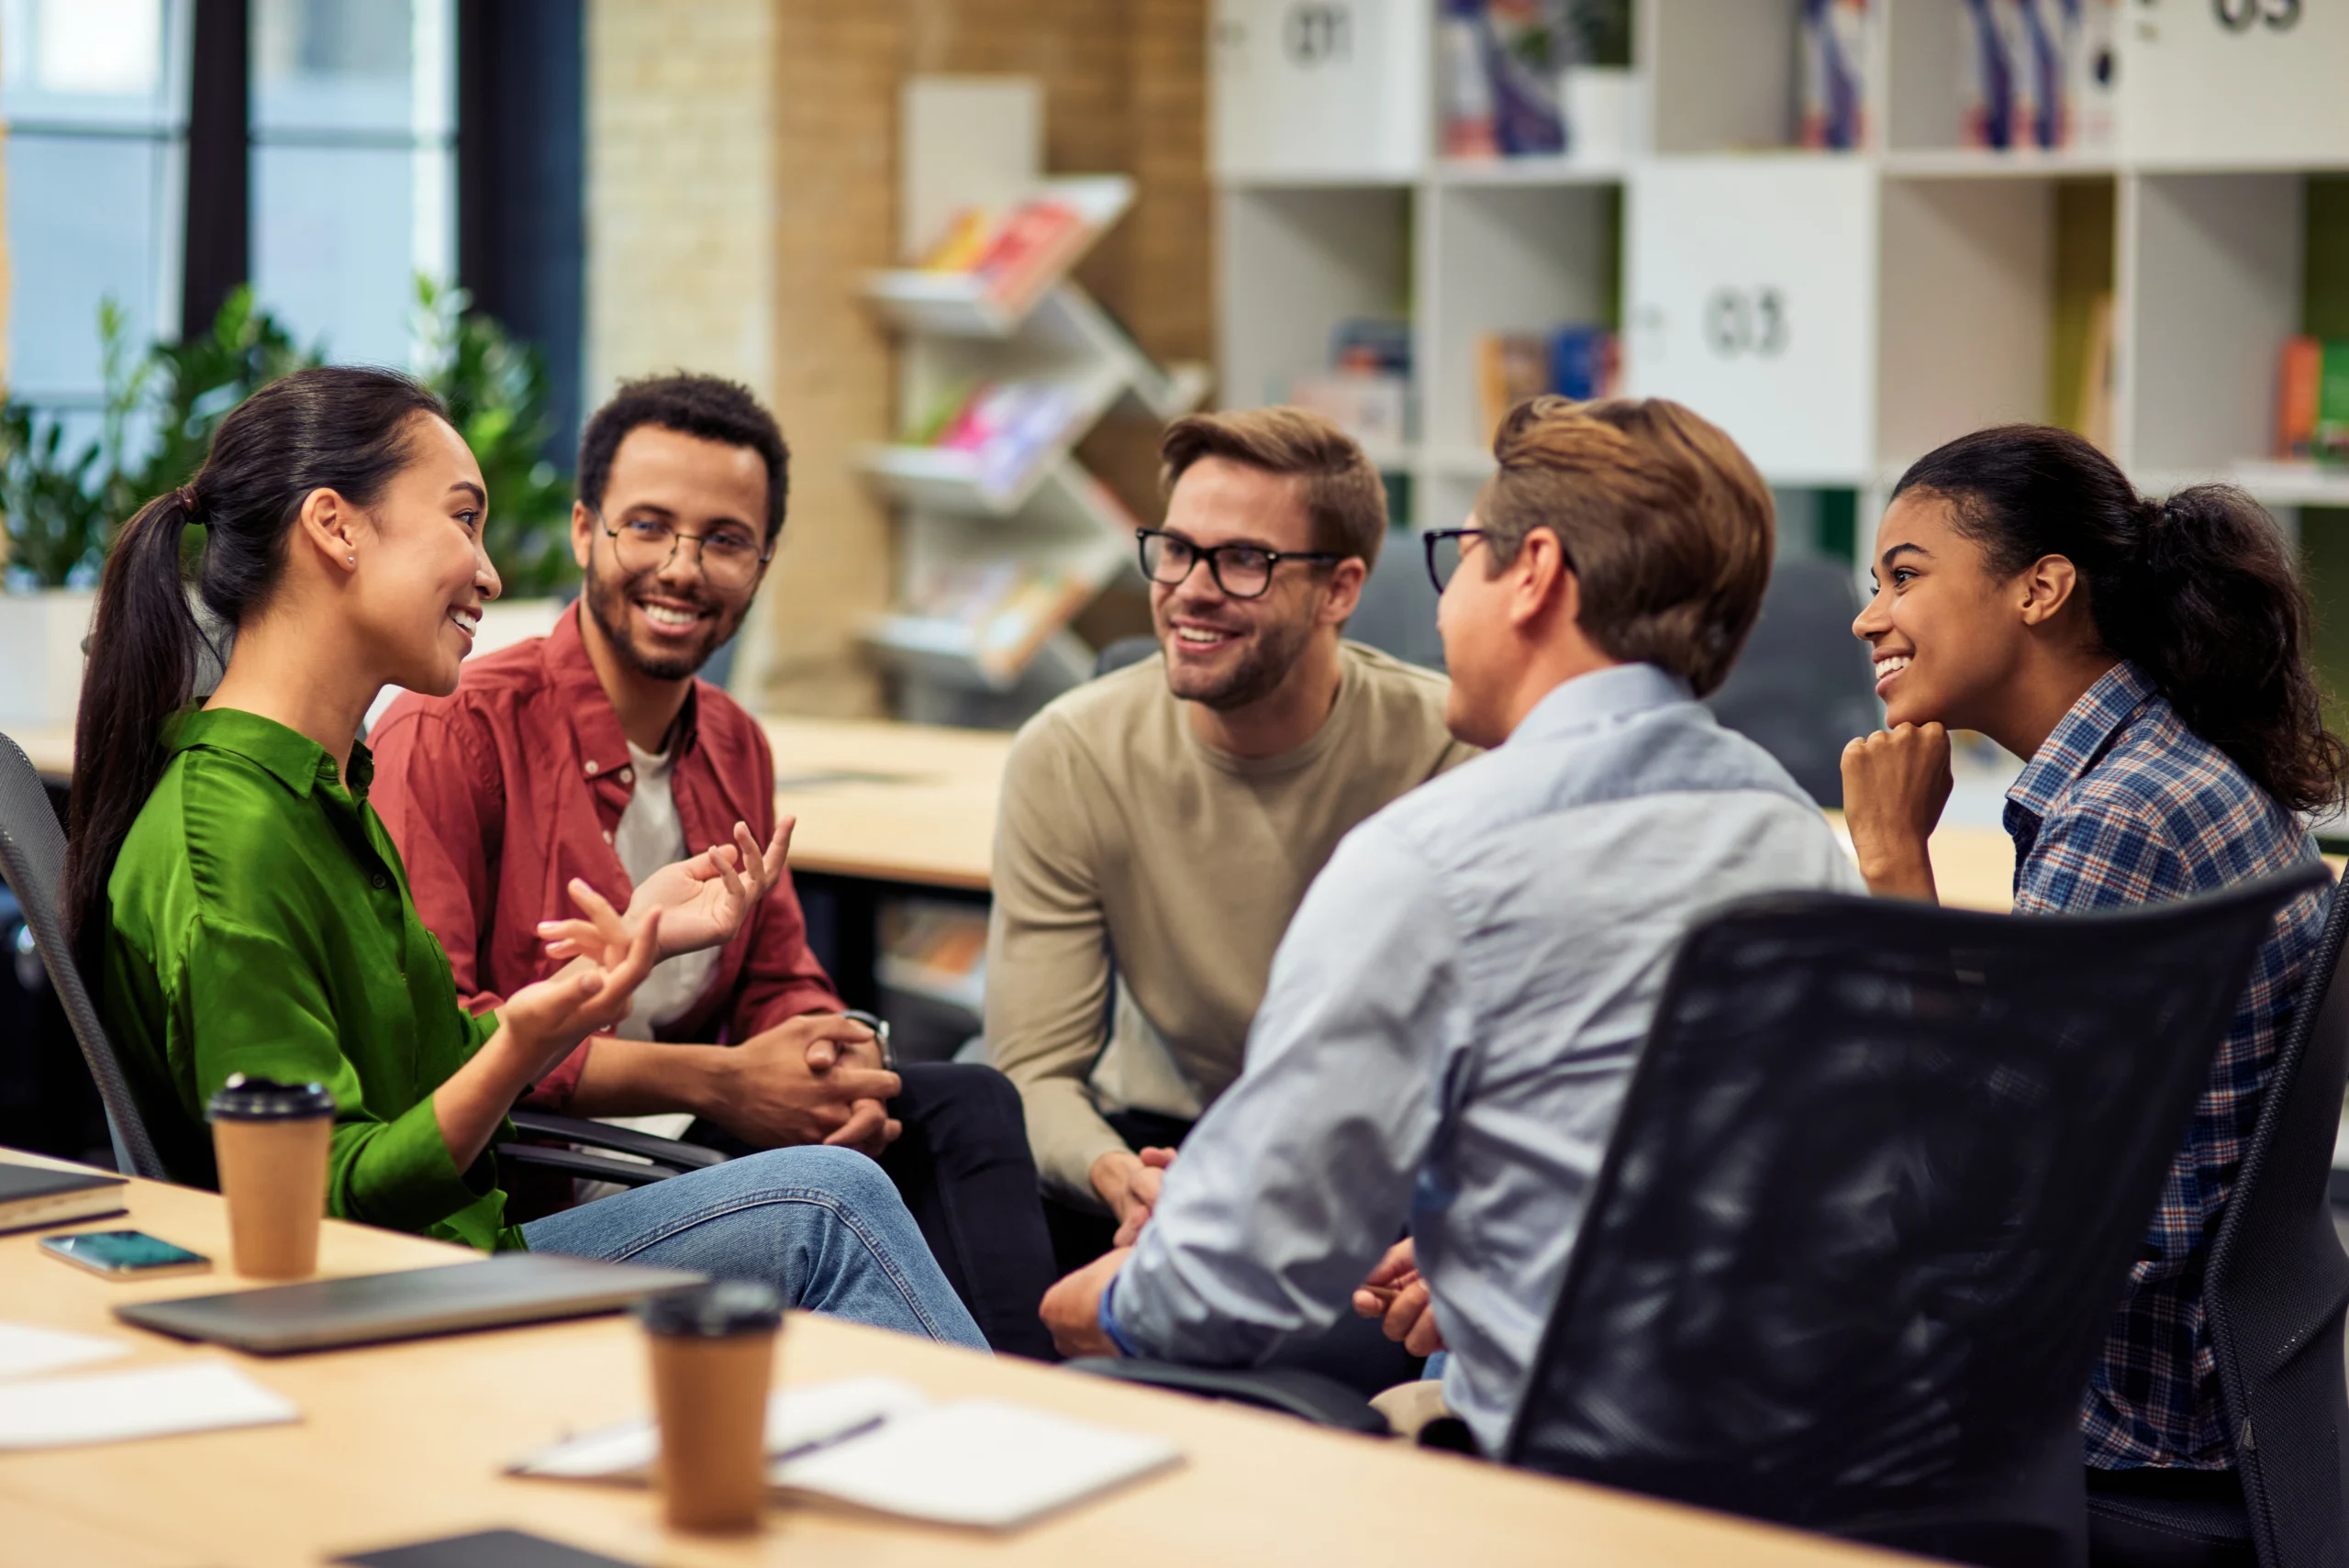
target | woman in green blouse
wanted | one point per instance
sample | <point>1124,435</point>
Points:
<point>245,912</point>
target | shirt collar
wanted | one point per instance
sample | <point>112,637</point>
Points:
<point>292,757</point>
<point>593,720</point>
<point>1586,701</point>
<point>2080,737</point>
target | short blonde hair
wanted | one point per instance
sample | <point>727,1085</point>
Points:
<point>1345,498</point>
<point>1666,523</point>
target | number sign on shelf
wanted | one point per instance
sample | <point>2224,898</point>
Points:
<point>1751,298</point>
<point>1319,90</point>
<point>2190,69</point>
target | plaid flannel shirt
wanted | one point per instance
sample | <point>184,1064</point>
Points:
<point>2124,805</point>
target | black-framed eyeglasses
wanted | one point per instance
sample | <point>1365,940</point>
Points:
<point>1241,571</point>
<point>730,557</point>
<point>1444,549</point>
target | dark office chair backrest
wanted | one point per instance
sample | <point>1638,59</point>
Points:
<point>1125,650</point>
<point>2277,1283</point>
<point>1803,686</point>
<point>1871,1202</point>
<point>32,857</point>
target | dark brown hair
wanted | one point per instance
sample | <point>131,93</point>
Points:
<point>709,407</point>
<point>339,428</point>
<point>1345,498</point>
<point>2198,591</point>
<point>1667,525</point>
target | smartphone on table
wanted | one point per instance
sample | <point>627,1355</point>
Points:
<point>125,1254</point>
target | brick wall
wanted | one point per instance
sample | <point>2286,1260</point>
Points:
<point>742,174</point>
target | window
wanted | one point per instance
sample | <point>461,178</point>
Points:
<point>353,127</point>
<point>94,93</point>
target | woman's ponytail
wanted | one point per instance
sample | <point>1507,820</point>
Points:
<point>143,649</point>
<point>339,427</point>
<point>2199,591</point>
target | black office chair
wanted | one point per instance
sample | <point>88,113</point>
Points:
<point>32,859</point>
<point>1802,687</point>
<point>1125,650</point>
<point>2272,1295</point>
<point>1872,1198</point>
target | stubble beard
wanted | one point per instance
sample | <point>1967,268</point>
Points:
<point>608,602</point>
<point>1266,657</point>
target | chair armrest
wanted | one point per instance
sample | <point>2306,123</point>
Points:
<point>575,1162</point>
<point>1307,1396</point>
<point>668,1151</point>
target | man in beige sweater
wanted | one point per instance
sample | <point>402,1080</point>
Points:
<point>1161,824</point>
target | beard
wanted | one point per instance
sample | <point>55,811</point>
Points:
<point>607,601</point>
<point>1264,660</point>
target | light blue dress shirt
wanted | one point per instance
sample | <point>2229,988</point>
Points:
<point>1448,1033</point>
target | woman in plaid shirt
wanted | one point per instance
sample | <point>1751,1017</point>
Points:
<point>2150,657</point>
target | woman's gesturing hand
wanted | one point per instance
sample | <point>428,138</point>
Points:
<point>610,955</point>
<point>702,900</point>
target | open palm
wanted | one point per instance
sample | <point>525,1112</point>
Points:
<point>702,900</point>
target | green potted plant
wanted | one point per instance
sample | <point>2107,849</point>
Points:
<point>59,504</point>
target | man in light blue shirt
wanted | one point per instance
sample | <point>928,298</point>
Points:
<point>1454,1010</point>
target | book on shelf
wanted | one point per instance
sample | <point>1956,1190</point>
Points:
<point>1578,361</point>
<point>936,949</point>
<point>1015,252</point>
<point>1366,392</point>
<point>1008,426</point>
<point>1502,67</point>
<point>2313,402</point>
<point>1833,49</point>
<point>2038,73</point>
<point>1007,609</point>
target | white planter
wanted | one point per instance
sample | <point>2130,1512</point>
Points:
<point>40,655</point>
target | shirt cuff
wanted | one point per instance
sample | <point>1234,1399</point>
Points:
<point>402,1177</point>
<point>1107,1318</point>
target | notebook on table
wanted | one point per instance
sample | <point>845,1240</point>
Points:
<point>35,1195</point>
<point>366,1309</point>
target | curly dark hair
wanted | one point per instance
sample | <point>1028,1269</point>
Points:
<point>2197,590</point>
<point>709,407</point>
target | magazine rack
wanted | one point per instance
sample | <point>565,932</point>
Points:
<point>1005,364</point>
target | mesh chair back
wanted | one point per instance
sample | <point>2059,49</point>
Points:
<point>2277,1283</point>
<point>32,857</point>
<point>1871,1202</point>
<point>1802,686</point>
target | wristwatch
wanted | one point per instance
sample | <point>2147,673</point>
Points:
<point>880,1028</point>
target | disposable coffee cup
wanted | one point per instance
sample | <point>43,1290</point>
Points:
<point>269,1140</point>
<point>713,1356</point>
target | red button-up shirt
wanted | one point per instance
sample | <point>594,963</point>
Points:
<point>501,793</point>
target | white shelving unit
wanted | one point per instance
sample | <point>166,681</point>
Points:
<point>1034,508</point>
<point>1839,313</point>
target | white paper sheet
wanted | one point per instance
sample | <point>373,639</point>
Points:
<point>978,1462</point>
<point>797,1418</point>
<point>194,1397</point>
<point>877,1444</point>
<point>24,1349</point>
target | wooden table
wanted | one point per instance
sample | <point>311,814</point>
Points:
<point>50,747</point>
<point>403,1443</point>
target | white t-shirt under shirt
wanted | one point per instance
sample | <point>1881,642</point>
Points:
<point>650,836</point>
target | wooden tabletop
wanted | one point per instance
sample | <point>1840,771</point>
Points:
<point>400,1443</point>
<point>50,747</point>
<point>899,802</point>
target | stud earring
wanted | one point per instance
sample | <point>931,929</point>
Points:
<point>352,559</point>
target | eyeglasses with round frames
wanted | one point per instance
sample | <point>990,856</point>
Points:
<point>1444,549</point>
<point>1241,571</point>
<point>729,557</point>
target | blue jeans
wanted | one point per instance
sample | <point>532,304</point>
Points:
<point>822,1226</point>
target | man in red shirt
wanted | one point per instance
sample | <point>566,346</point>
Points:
<point>593,753</point>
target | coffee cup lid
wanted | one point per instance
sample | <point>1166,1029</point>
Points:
<point>247,1098</point>
<point>713,1311</point>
